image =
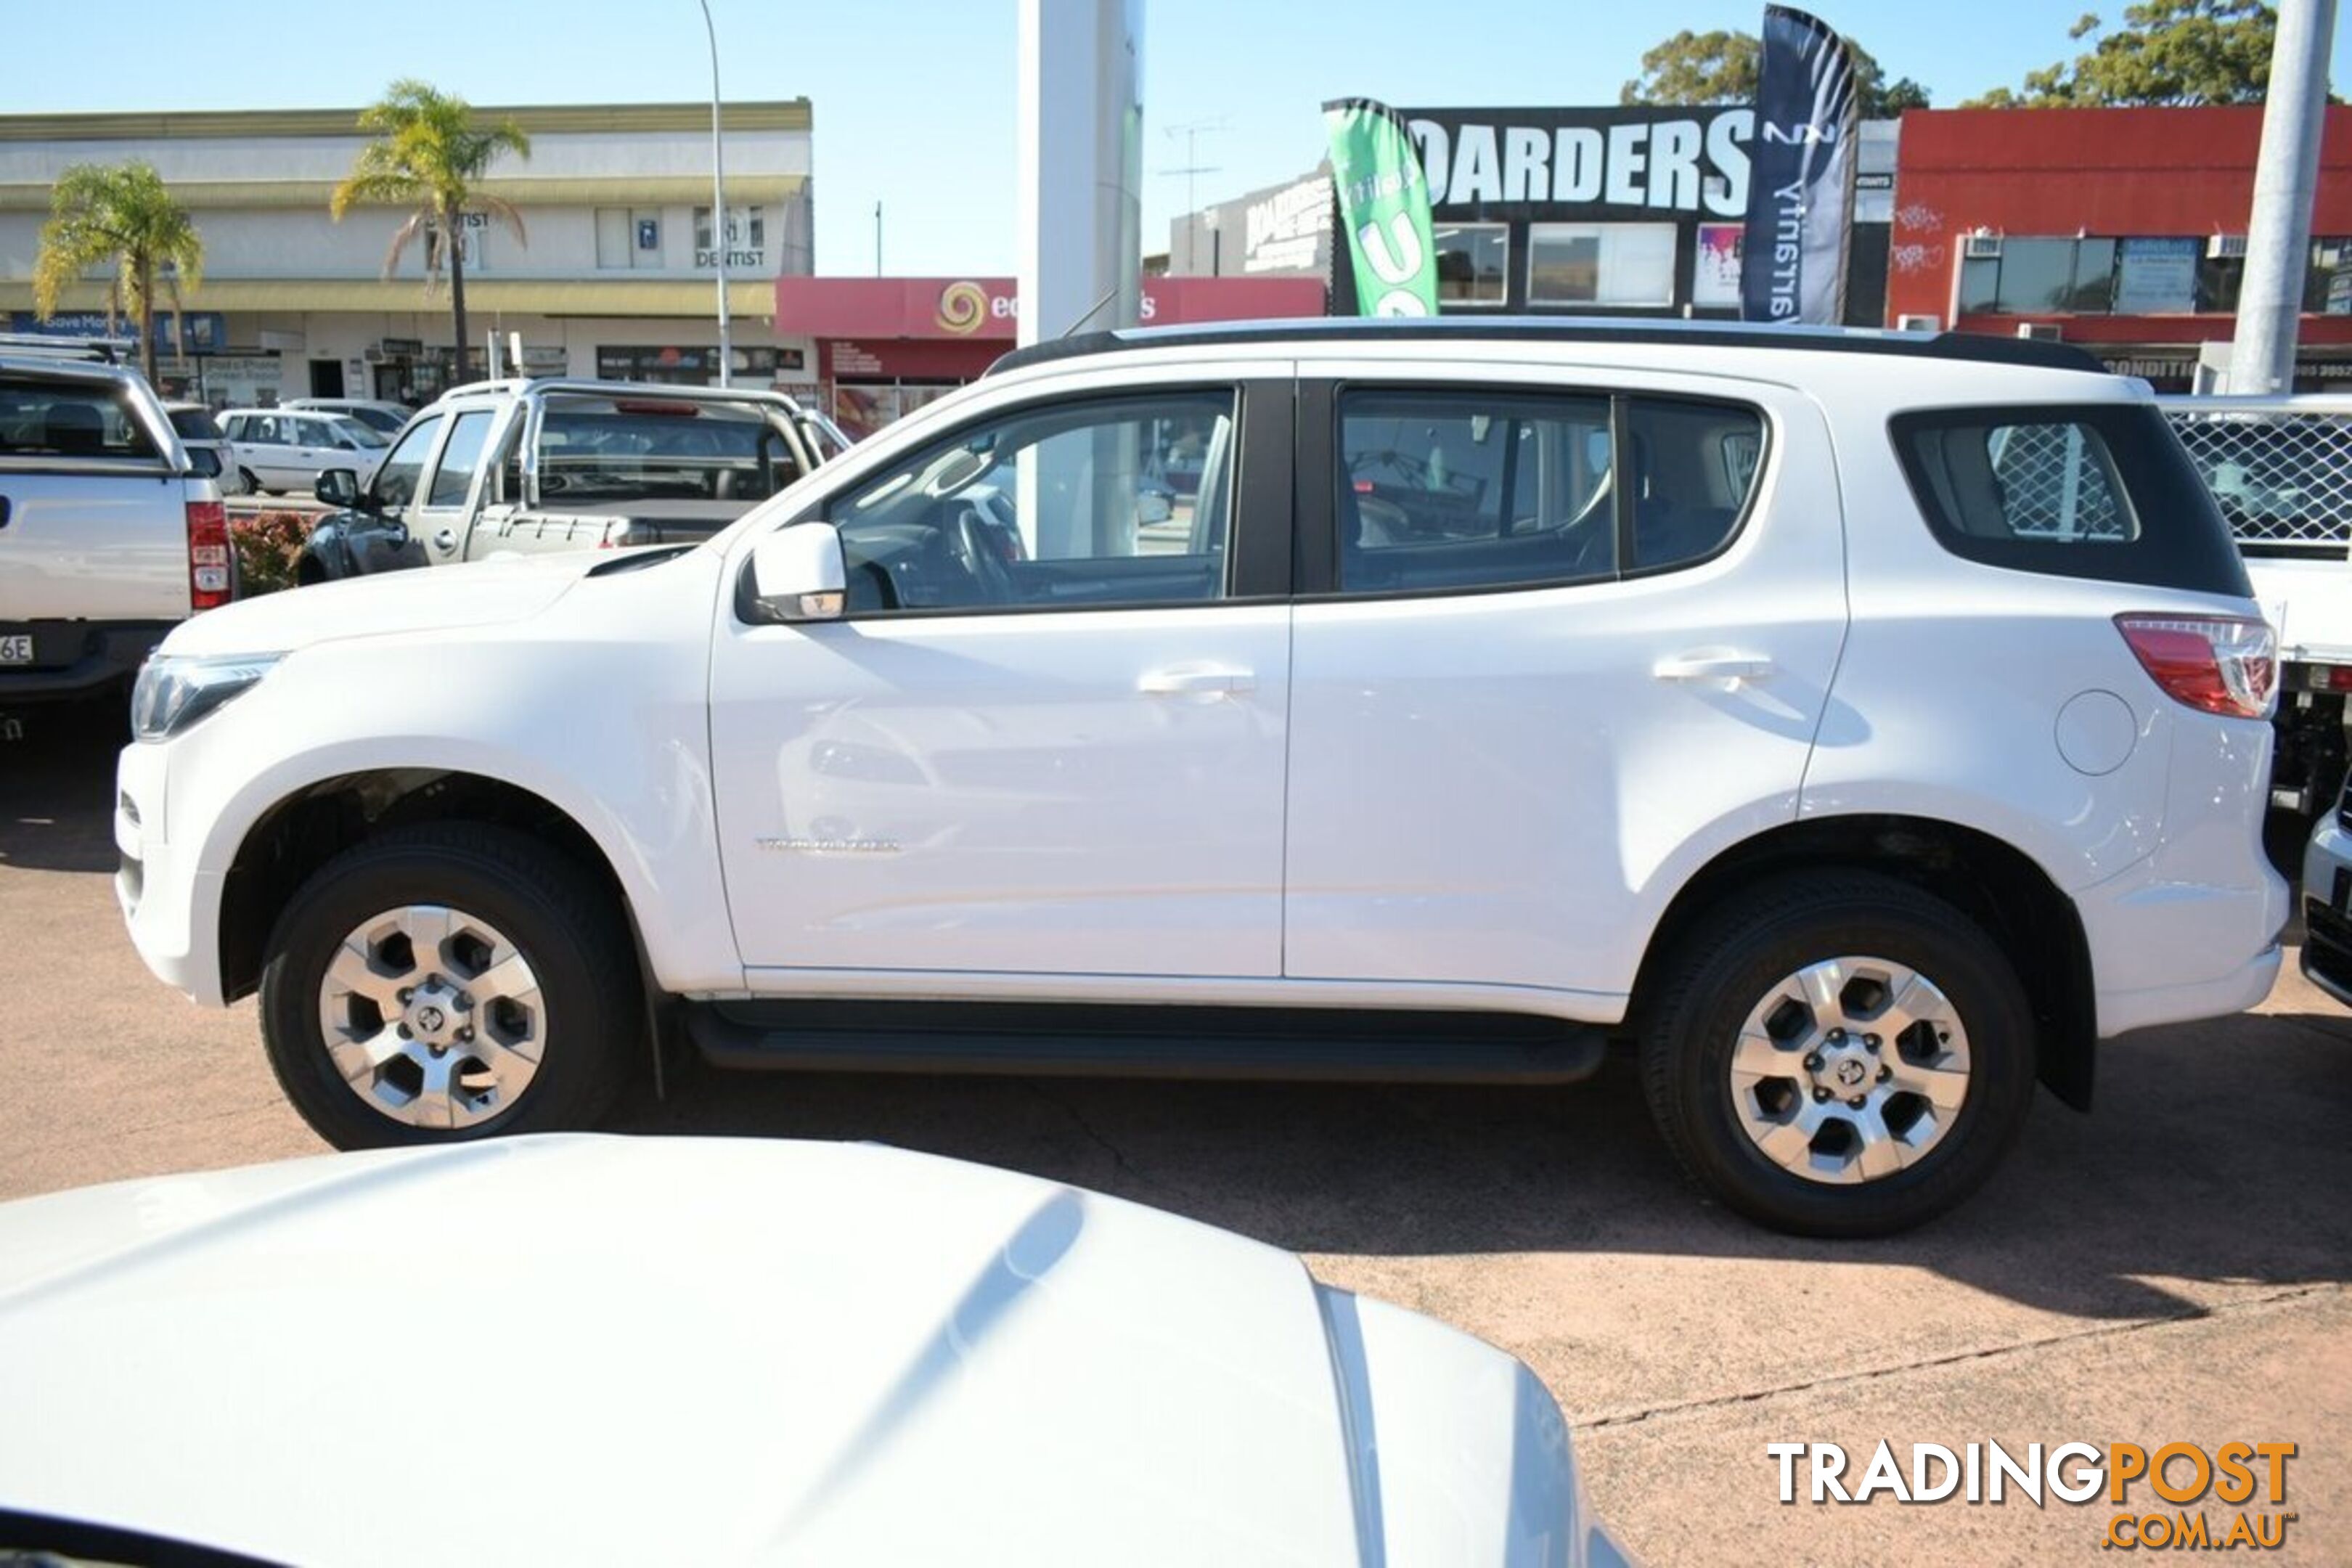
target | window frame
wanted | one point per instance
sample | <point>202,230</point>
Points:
<point>1256,568</point>
<point>1319,467</point>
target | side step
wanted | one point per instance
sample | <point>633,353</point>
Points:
<point>1048,1039</point>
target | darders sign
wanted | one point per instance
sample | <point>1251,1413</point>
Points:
<point>1613,164</point>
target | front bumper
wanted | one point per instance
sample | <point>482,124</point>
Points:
<point>2327,909</point>
<point>166,901</point>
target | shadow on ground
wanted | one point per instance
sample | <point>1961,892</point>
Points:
<point>57,785</point>
<point>2219,1151</point>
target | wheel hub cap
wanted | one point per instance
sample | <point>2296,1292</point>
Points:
<point>433,1017</point>
<point>1849,1069</point>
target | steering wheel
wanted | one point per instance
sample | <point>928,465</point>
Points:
<point>976,554</point>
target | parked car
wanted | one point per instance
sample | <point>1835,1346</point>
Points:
<point>383,417</point>
<point>1519,688</point>
<point>200,432</point>
<point>686,1350</point>
<point>522,468</point>
<point>279,449</point>
<point>111,528</point>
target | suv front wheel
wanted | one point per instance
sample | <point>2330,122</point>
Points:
<point>1838,1055</point>
<point>448,982</point>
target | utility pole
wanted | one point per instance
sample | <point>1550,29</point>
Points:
<point>2278,232</point>
<point>1192,168</point>
<point>719,208</point>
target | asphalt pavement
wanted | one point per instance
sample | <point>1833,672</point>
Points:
<point>2173,1268</point>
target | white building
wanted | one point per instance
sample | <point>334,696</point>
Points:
<point>615,276</point>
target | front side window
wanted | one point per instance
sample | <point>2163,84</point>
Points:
<point>395,482</point>
<point>1071,505</point>
<point>1473,489</point>
<point>459,459</point>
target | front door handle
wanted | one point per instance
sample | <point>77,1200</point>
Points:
<point>445,542</point>
<point>3,512</point>
<point>1730,668</point>
<point>1185,679</point>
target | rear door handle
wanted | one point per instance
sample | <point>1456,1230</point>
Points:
<point>3,512</point>
<point>1179,680</point>
<point>1729,667</point>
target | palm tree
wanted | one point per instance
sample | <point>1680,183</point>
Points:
<point>429,155</point>
<point>121,216</point>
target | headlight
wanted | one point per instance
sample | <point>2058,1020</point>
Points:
<point>175,692</point>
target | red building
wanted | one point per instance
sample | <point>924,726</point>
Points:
<point>2123,230</point>
<point>885,346</point>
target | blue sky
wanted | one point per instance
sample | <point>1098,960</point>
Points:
<point>913,99</point>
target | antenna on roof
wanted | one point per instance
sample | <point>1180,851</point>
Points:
<point>1090,316</point>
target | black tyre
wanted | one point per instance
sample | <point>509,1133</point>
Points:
<point>1838,1055</point>
<point>449,982</point>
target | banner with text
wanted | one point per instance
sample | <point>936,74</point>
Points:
<point>1384,207</point>
<point>1801,190</point>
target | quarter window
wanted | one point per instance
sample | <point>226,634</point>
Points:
<point>1124,501</point>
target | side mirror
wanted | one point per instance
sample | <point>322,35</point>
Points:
<point>798,573</point>
<point>204,461</point>
<point>338,486</point>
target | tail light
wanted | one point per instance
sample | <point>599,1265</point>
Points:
<point>208,579</point>
<point>2216,664</point>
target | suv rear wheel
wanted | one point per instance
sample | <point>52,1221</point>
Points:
<point>448,982</point>
<point>1838,1055</point>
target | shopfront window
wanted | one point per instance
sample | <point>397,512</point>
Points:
<point>2138,276</point>
<point>1601,264</point>
<point>1472,262</point>
<point>2040,277</point>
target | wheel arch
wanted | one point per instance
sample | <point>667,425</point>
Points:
<point>308,827</point>
<point>1994,883</point>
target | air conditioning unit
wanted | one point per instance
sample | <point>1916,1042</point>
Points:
<point>1918,323</point>
<point>2226,248</point>
<point>2040,332</point>
<point>1981,247</point>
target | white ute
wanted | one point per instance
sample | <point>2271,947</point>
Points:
<point>110,533</point>
<point>1866,725</point>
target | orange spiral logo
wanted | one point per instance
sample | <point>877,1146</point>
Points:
<point>963,307</point>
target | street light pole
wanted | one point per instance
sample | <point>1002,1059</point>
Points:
<point>718,208</point>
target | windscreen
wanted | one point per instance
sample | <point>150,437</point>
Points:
<point>68,418</point>
<point>195,423</point>
<point>655,449</point>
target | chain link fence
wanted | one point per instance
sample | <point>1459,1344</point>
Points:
<point>2281,467</point>
<point>2051,486</point>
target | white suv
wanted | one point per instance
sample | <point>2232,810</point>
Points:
<point>1866,724</point>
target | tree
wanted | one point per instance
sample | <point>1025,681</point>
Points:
<point>1722,67</point>
<point>119,215</point>
<point>430,156</point>
<point>2167,52</point>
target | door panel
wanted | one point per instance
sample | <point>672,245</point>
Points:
<point>1504,785</point>
<point>1003,793</point>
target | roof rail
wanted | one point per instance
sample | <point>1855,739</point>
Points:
<point>1969,346</point>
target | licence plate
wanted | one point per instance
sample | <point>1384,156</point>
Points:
<point>16,648</point>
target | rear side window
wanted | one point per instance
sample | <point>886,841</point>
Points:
<point>1449,490</point>
<point>61,418</point>
<point>2100,490</point>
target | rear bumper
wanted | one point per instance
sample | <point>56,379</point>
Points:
<point>80,658</point>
